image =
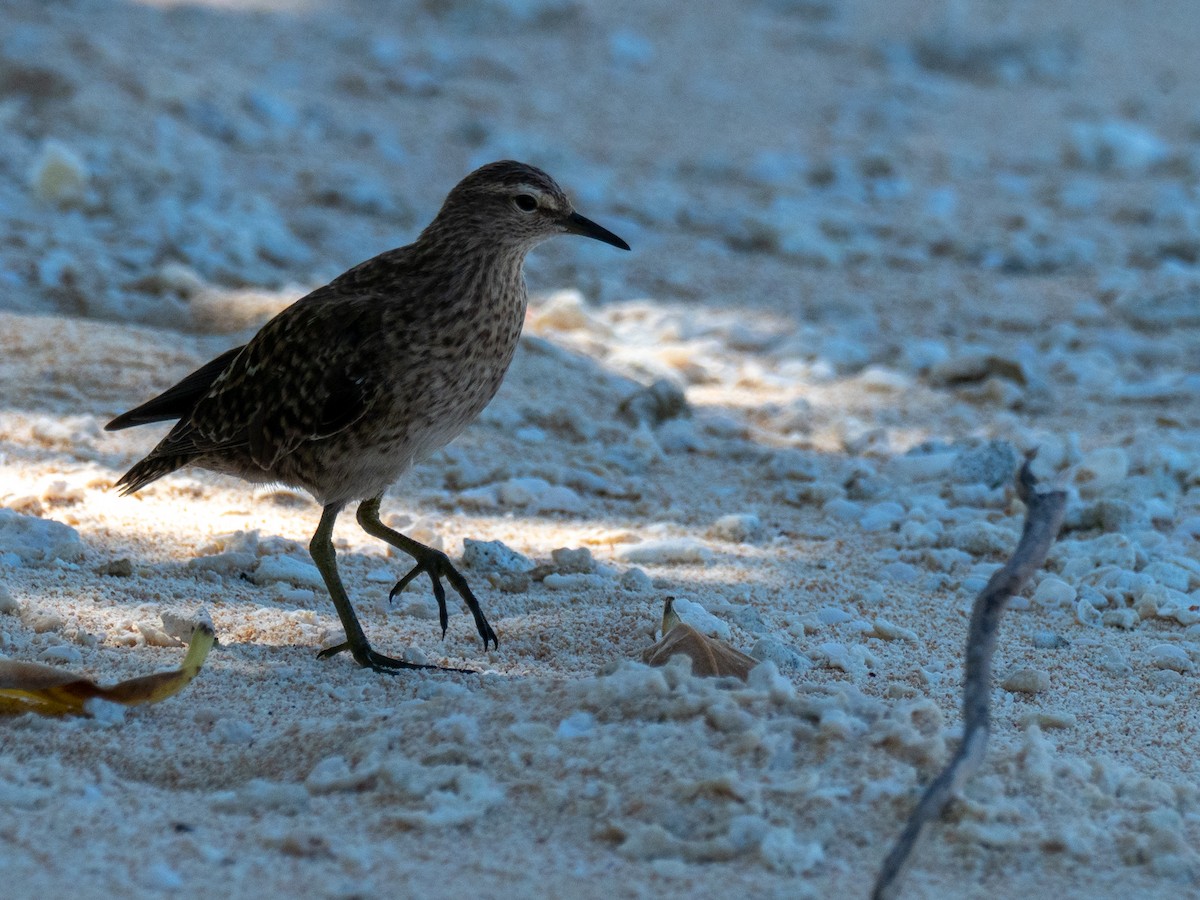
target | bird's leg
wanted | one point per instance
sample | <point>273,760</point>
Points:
<point>323,554</point>
<point>434,563</point>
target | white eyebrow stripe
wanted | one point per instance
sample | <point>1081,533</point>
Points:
<point>523,187</point>
<point>546,199</point>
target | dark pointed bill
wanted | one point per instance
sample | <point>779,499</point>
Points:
<point>577,224</point>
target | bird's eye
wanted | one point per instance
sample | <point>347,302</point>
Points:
<point>525,202</point>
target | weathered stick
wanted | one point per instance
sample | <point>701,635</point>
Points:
<point>1043,517</point>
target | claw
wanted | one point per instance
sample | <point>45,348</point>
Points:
<point>436,564</point>
<point>439,594</point>
<point>404,582</point>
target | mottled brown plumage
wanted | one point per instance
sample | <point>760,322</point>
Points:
<point>347,388</point>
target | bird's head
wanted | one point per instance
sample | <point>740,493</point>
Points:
<point>515,205</point>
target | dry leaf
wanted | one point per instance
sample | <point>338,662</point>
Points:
<point>710,657</point>
<point>33,687</point>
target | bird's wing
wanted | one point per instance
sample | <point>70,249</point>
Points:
<point>176,402</point>
<point>304,376</point>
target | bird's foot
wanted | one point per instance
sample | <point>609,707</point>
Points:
<point>436,564</point>
<point>377,662</point>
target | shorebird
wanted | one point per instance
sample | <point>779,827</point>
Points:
<point>343,391</point>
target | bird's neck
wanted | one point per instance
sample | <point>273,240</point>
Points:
<point>472,260</point>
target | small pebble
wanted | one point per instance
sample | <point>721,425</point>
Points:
<point>42,622</point>
<point>58,174</point>
<point>692,613</point>
<point>637,581</point>
<point>1053,592</point>
<point>181,624</point>
<point>1113,662</point>
<point>117,568</point>
<point>61,654</point>
<point>103,712</point>
<point>156,636</point>
<point>851,660</point>
<point>576,725</point>
<point>1087,614</point>
<point>831,615</point>
<point>991,464</point>
<point>737,528</point>
<point>882,516</point>
<point>230,563</point>
<point>289,570</point>
<point>1115,145</point>
<point>900,572</point>
<point>793,464</point>
<point>784,656</point>
<point>571,560</point>
<point>494,556</point>
<point>233,731</point>
<point>522,491</point>
<point>559,498</point>
<point>922,466</point>
<point>1125,618</point>
<point>1169,656</point>
<point>1169,575</point>
<point>680,436</point>
<point>574,581</point>
<point>1101,470</point>
<point>891,632</point>
<point>8,604</point>
<point>1049,640</point>
<point>842,510</point>
<point>666,552</point>
<point>1049,719</point>
<point>655,404</point>
<point>333,774</point>
<point>510,582</point>
<point>1027,681</point>
<point>416,656</point>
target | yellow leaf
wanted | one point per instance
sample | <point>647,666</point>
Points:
<point>33,687</point>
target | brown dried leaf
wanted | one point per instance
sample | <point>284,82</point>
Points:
<point>33,687</point>
<point>710,657</point>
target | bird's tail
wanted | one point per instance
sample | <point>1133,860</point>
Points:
<point>149,469</point>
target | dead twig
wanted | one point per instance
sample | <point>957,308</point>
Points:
<point>1043,517</point>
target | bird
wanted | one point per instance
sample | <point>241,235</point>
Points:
<point>343,391</point>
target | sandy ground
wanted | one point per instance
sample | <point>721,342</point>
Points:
<point>881,248</point>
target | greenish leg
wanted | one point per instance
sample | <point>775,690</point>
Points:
<point>434,563</point>
<point>323,554</point>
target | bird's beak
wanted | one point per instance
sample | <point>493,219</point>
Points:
<point>577,224</point>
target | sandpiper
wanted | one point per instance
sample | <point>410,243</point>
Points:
<point>343,391</point>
